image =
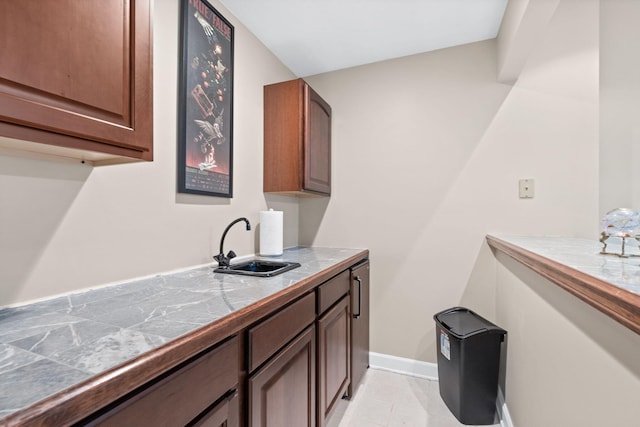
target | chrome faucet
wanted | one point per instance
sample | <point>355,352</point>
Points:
<point>223,261</point>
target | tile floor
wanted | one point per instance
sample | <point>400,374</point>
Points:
<point>390,400</point>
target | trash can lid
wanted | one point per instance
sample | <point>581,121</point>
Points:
<point>463,322</point>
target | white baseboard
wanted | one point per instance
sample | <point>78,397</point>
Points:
<point>405,366</point>
<point>505,417</point>
<point>416,368</point>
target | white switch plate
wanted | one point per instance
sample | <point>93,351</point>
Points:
<point>527,187</point>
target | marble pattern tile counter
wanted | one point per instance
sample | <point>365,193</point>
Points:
<point>608,282</point>
<point>50,346</point>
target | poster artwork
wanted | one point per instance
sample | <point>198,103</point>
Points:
<point>207,103</point>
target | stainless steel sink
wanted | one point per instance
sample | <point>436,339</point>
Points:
<point>258,268</point>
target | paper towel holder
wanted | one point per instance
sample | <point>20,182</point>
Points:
<point>271,233</point>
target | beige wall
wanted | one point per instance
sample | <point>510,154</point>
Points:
<point>619,104</point>
<point>67,226</point>
<point>568,364</point>
<point>428,151</point>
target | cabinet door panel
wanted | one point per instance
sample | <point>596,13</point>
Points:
<point>359,324</point>
<point>80,69</point>
<point>333,358</point>
<point>333,290</point>
<point>282,393</point>
<point>89,35</point>
<point>317,143</point>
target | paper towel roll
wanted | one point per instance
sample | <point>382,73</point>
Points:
<point>271,232</point>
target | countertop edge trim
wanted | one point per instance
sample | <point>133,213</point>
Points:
<point>80,401</point>
<point>618,303</point>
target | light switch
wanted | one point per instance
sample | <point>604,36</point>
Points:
<point>527,188</point>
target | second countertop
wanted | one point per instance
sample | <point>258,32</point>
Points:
<point>609,283</point>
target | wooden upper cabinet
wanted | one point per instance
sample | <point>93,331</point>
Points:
<point>297,140</point>
<point>77,76</point>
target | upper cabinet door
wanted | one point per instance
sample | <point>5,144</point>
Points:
<point>297,140</point>
<point>317,143</point>
<point>78,75</point>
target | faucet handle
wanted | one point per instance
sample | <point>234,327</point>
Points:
<point>231,255</point>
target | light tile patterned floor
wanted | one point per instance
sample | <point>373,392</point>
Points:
<point>387,399</point>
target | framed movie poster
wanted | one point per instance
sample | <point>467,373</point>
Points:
<point>205,135</point>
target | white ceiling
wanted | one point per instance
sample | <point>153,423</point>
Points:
<point>316,36</point>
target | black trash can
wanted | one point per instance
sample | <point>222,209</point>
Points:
<point>469,360</point>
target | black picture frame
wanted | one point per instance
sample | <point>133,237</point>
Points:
<point>205,124</point>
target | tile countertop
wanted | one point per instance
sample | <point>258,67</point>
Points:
<point>49,346</point>
<point>608,282</point>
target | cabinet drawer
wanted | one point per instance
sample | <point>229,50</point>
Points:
<point>332,290</point>
<point>273,333</point>
<point>224,414</point>
<point>182,395</point>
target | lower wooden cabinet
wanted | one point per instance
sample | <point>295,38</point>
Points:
<point>283,392</point>
<point>333,358</point>
<point>359,324</point>
<point>224,414</point>
<point>183,396</point>
<point>290,368</point>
